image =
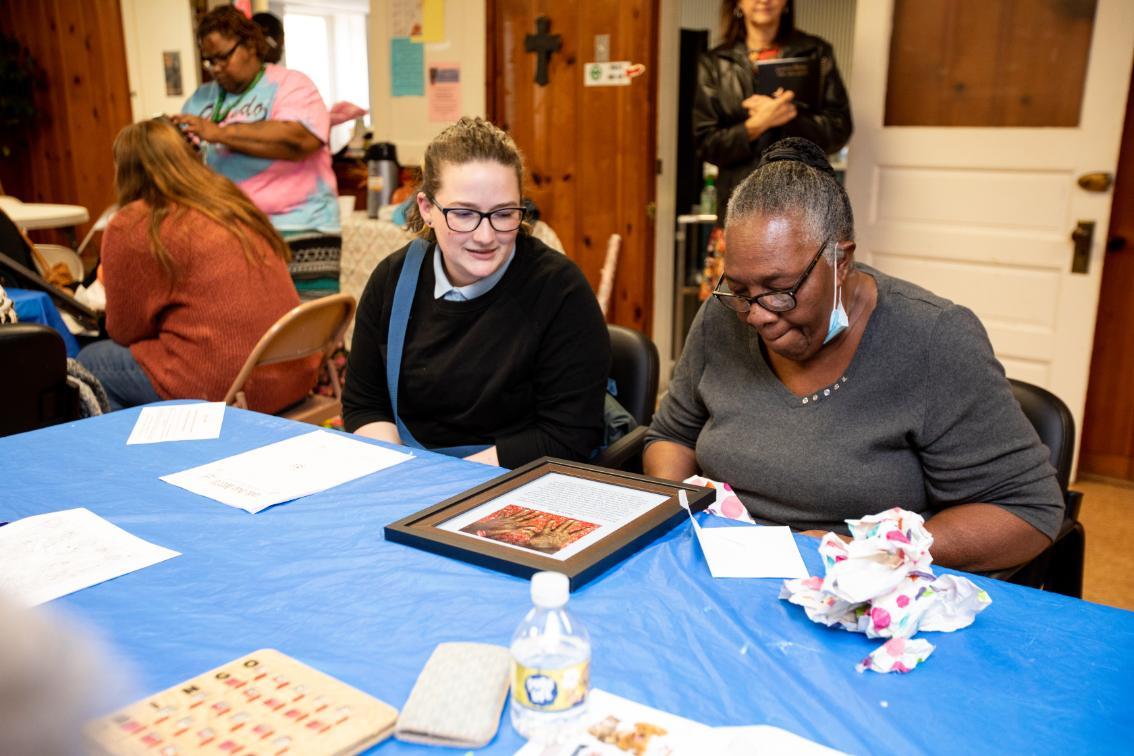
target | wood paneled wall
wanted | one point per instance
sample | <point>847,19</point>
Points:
<point>82,101</point>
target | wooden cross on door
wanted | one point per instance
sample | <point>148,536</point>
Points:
<point>543,45</point>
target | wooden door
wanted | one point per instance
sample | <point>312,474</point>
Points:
<point>590,151</point>
<point>972,191</point>
<point>1108,423</point>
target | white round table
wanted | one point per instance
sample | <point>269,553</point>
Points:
<point>35,215</point>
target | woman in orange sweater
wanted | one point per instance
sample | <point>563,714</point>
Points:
<point>194,276</point>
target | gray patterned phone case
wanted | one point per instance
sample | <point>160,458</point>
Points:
<point>458,696</point>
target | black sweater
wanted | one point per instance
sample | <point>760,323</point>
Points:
<point>523,366</point>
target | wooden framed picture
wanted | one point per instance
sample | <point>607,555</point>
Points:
<point>550,514</point>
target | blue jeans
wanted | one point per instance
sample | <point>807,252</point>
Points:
<point>119,373</point>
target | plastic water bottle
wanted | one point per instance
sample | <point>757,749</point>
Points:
<point>551,660</point>
<point>709,196</point>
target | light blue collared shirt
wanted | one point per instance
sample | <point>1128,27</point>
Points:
<point>444,289</point>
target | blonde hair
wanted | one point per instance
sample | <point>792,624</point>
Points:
<point>153,163</point>
<point>469,140</point>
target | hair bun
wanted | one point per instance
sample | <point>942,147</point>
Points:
<point>799,150</point>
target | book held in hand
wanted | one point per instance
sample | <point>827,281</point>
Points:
<point>799,75</point>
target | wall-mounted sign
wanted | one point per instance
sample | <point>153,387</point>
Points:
<point>614,73</point>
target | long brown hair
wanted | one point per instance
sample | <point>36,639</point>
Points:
<point>466,141</point>
<point>153,163</point>
<point>733,29</point>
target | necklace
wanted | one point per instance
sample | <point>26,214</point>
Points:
<point>219,114</point>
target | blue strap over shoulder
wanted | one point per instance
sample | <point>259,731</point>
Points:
<point>396,341</point>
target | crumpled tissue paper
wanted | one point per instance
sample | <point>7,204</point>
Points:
<point>726,504</point>
<point>882,584</point>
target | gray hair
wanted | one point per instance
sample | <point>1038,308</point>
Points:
<point>791,187</point>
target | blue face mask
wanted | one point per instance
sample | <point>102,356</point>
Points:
<point>838,322</point>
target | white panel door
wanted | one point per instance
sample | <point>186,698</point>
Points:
<point>984,216</point>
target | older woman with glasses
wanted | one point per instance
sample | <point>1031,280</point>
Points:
<point>478,340</point>
<point>265,127</point>
<point>823,390</point>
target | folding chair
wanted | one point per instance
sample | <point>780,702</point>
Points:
<point>314,327</point>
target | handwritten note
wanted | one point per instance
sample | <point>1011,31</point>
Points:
<point>50,555</point>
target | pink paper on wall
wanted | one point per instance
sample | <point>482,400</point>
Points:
<point>444,91</point>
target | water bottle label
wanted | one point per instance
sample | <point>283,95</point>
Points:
<point>550,689</point>
<point>374,183</point>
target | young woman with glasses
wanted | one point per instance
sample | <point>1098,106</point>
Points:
<point>823,390</point>
<point>504,352</point>
<point>266,128</point>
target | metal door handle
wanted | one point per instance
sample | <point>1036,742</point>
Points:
<point>1082,237</point>
<point>1099,181</point>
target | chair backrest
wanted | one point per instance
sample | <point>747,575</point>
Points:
<point>1053,423</point>
<point>311,328</point>
<point>634,368</point>
<point>49,255</point>
<point>99,225</point>
<point>34,391</point>
<point>1060,567</point>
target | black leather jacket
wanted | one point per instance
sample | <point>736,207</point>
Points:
<point>725,80</point>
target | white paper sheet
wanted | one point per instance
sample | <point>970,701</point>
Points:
<point>286,470</point>
<point>178,422</point>
<point>556,515</point>
<point>609,716</point>
<point>752,551</point>
<point>660,734</point>
<point>50,555</point>
<point>765,740</point>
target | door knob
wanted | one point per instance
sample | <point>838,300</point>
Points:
<point>1082,237</point>
<point>1099,181</point>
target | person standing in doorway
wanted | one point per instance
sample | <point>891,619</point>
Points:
<point>733,123</point>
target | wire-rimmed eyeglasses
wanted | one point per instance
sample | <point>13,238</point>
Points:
<point>775,300</point>
<point>465,219</point>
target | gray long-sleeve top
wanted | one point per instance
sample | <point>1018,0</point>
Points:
<point>923,418</point>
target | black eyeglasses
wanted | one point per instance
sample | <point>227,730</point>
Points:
<point>212,61</point>
<point>465,219</point>
<point>776,300</point>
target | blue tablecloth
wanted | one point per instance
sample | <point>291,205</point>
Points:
<point>37,307</point>
<point>314,578</point>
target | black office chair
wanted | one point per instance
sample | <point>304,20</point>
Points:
<point>634,368</point>
<point>1059,568</point>
<point>34,391</point>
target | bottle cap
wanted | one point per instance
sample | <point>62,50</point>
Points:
<point>550,589</point>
